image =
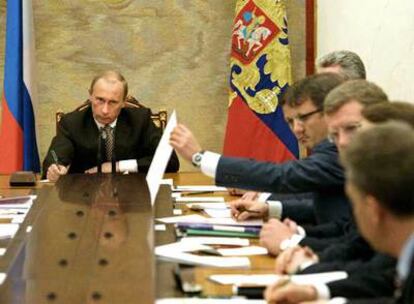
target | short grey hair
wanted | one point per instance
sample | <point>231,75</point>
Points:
<point>350,63</point>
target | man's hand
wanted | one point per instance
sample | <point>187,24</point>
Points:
<point>290,260</point>
<point>106,168</point>
<point>290,293</point>
<point>55,171</point>
<point>272,234</point>
<point>292,225</point>
<point>184,142</point>
<point>242,209</point>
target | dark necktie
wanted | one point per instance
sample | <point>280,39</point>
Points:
<point>109,142</point>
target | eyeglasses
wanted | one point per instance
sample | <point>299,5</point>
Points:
<point>347,130</point>
<point>302,118</point>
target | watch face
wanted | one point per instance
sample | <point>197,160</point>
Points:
<point>197,158</point>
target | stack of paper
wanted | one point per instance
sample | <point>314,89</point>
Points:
<point>208,301</point>
<point>267,279</point>
<point>179,252</point>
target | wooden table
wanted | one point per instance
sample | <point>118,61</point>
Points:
<point>259,263</point>
<point>68,258</point>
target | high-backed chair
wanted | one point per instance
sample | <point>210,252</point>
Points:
<point>159,118</point>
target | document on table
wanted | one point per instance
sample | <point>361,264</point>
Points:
<point>208,301</point>
<point>196,218</point>
<point>208,205</point>
<point>243,251</point>
<point>218,213</point>
<point>185,199</point>
<point>207,240</point>
<point>8,230</point>
<point>160,159</point>
<point>190,188</point>
<point>179,252</point>
<point>266,279</point>
<point>17,202</point>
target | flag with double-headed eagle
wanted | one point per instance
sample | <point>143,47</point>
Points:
<point>260,74</point>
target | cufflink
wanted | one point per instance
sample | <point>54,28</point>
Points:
<point>197,158</point>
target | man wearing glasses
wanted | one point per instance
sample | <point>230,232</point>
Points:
<point>105,132</point>
<point>319,175</point>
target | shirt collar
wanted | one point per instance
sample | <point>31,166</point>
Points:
<point>405,259</point>
<point>99,125</point>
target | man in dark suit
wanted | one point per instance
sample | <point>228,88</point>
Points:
<point>319,173</point>
<point>105,133</point>
<point>378,166</point>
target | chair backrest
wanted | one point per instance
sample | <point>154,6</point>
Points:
<point>159,118</point>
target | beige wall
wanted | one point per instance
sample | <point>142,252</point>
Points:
<point>173,53</point>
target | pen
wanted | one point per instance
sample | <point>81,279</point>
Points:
<point>196,193</point>
<point>248,210</point>
<point>54,156</point>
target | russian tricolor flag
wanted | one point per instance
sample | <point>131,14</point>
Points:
<point>18,147</point>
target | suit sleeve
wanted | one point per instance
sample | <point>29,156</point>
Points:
<point>296,206</point>
<point>63,147</point>
<point>319,171</point>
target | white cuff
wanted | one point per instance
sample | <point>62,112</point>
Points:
<point>129,165</point>
<point>275,209</point>
<point>209,163</point>
<point>293,241</point>
<point>301,231</point>
<point>306,264</point>
<point>338,300</point>
<point>322,291</point>
<point>263,197</point>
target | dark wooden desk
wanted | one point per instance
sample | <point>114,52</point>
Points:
<point>92,242</point>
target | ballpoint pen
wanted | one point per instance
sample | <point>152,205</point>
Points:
<point>54,156</point>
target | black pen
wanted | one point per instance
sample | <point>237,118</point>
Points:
<point>54,156</point>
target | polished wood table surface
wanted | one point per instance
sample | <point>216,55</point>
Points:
<point>100,255</point>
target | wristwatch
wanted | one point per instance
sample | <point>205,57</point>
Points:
<point>196,158</point>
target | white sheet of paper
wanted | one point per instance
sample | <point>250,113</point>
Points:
<point>17,202</point>
<point>266,279</point>
<point>207,301</point>
<point>160,159</point>
<point>243,251</point>
<point>218,213</point>
<point>167,181</point>
<point>199,199</point>
<point>209,205</point>
<point>196,218</point>
<point>198,188</point>
<point>192,259</point>
<point>2,277</point>
<point>2,251</point>
<point>208,240</point>
<point>8,230</point>
<point>192,218</point>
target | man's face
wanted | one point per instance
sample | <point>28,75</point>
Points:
<point>343,124</point>
<point>307,123</point>
<point>107,100</point>
<point>330,69</point>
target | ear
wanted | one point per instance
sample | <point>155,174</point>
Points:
<point>376,211</point>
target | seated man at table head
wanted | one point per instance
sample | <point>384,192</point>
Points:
<point>80,144</point>
<point>343,62</point>
<point>378,166</point>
